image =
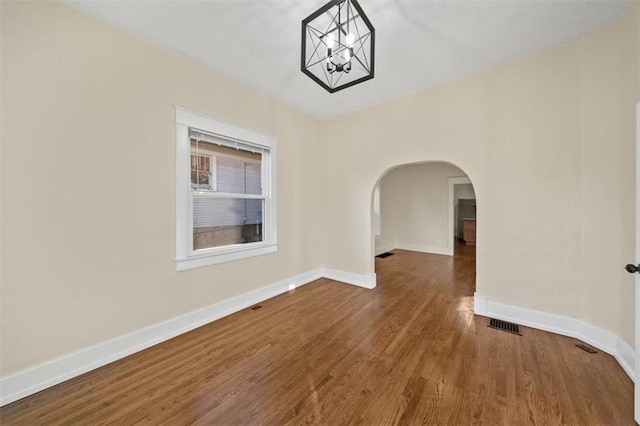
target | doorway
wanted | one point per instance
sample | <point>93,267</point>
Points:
<point>463,208</point>
<point>424,208</point>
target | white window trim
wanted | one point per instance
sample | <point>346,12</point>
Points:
<point>186,258</point>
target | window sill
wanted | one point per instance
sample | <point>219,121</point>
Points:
<point>206,259</point>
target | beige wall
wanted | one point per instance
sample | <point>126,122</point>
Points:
<point>88,125</point>
<point>415,207</point>
<point>89,131</point>
<point>609,90</point>
<point>559,128</point>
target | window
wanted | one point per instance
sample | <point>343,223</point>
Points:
<point>227,199</point>
<point>225,191</point>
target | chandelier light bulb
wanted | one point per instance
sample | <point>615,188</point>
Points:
<point>331,41</point>
<point>350,39</point>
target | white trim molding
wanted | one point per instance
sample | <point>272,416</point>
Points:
<point>27,382</point>
<point>559,324</point>
<point>365,281</point>
<point>636,316</point>
<point>447,251</point>
<point>51,373</point>
<point>384,249</point>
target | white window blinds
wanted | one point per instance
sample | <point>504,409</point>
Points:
<point>235,196</point>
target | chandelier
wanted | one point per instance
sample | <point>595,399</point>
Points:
<point>338,45</point>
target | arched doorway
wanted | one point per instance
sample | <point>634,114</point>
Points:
<point>427,208</point>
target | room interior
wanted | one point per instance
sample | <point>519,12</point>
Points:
<point>544,128</point>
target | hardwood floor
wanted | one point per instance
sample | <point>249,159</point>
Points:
<point>410,351</point>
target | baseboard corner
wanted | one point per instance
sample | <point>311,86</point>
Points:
<point>625,355</point>
<point>367,281</point>
<point>479,304</point>
<point>445,251</point>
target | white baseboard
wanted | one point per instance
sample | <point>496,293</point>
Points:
<point>566,326</point>
<point>40,377</point>
<point>415,247</point>
<point>384,249</point>
<point>366,281</point>
<point>626,357</point>
<point>425,249</point>
<point>51,373</point>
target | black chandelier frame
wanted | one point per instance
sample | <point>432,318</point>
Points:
<point>366,63</point>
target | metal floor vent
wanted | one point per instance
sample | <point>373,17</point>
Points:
<point>509,327</point>
<point>383,255</point>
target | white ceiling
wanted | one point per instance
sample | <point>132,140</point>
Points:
<point>419,44</point>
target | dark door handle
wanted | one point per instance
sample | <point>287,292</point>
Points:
<point>632,269</point>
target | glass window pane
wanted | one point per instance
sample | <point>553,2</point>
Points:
<point>200,180</point>
<point>237,171</point>
<point>230,175</point>
<point>201,177</point>
<point>225,221</point>
<point>253,179</point>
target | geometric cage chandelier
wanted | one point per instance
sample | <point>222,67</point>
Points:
<point>338,44</point>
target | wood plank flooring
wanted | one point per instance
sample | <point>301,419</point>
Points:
<point>410,351</point>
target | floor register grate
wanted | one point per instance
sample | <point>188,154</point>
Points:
<point>383,255</point>
<point>509,327</point>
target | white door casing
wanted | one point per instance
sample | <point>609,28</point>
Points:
<point>637,276</point>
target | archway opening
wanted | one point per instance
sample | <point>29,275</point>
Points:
<point>425,213</point>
